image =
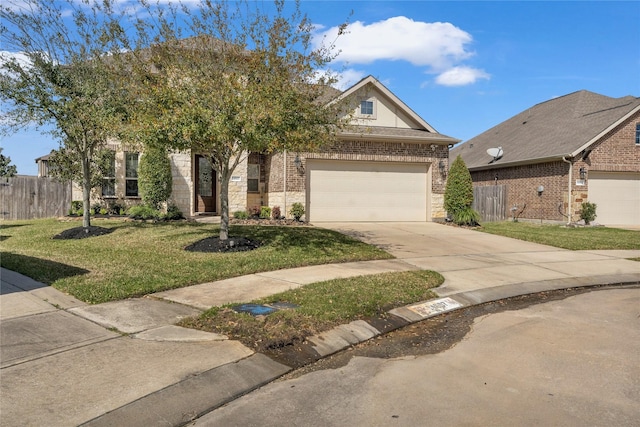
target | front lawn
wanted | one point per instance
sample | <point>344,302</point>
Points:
<point>574,238</point>
<point>141,258</point>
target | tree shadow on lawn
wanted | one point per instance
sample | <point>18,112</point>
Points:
<point>41,270</point>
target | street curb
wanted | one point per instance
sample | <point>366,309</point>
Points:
<point>196,395</point>
<point>333,341</point>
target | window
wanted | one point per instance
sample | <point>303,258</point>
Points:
<point>109,178</point>
<point>637,133</point>
<point>253,178</point>
<point>366,108</point>
<point>131,174</point>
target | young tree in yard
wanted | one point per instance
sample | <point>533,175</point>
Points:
<point>58,73</point>
<point>6,168</point>
<point>243,80</point>
<point>458,194</point>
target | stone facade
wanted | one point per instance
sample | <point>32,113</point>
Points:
<point>183,186</point>
<point>238,186</point>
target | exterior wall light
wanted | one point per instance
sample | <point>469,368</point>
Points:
<point>583,173</point>
<point>443,168</point>
<point>298,164</point>
<point>540,190</point>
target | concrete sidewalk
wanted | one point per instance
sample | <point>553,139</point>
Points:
<point>125,363</point>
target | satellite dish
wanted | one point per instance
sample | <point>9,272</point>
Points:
<point>496,153</point>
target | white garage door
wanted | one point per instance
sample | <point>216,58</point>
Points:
<point>366,191</point>
<point>617,196</point>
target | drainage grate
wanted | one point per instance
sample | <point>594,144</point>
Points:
<point>262,310</point>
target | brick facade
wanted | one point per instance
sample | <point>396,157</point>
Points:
<point>354,150</point>
<point>615,152</point>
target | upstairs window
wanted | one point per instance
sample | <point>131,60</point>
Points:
<point>131,174</point>
<point>637,133</point>
<point>366,108</point>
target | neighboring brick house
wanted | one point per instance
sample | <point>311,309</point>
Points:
<point>583,144</point>
<point>390,165</point>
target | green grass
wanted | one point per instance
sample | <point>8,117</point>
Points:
<point>141,258</point>
<point>578,238</point>
<point>322,306</point>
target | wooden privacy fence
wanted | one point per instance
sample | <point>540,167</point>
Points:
<point>490,202</point>
<point>29,197</point>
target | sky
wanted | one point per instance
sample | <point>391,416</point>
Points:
<point>464,67</point>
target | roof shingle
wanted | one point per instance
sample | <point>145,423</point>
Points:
<point>551,129</point>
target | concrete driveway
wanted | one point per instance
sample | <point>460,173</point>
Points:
<point>471,259</point>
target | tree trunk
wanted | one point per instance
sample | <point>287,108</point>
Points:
<point>86,193</point>
<point>224,202</point>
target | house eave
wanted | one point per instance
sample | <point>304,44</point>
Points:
<point>428,139</point>
<point>555,158</point>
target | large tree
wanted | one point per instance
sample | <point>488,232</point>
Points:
<point>7,170</point>
<point>230,79</point>
<point>60,74</point>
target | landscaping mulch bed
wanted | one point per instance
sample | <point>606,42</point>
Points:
<point>232,244</point>
<point>257,221</point>
<point>82,233</point>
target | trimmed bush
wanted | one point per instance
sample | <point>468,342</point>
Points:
<point>240,215</point>
<point>173,213</point>
<point>275,212</point>
<point>588,212</point>
<point>154,177</point>
<point>467,216</point>
<point>297,210</point>
<point>143,212</point>
<point>76,208</point>
<point>458,194</point>
<point>265,212</point>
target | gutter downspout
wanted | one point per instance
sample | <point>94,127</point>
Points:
<point>570,207</point>
<point>284,183</point>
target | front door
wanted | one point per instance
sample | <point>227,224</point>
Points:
<point>205,185</point>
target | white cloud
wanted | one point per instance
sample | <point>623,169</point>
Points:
<point>349,77</point>
<point>435,45</point>
<point>20,57</point>
<point>461,76</point>
<point>440,47</point>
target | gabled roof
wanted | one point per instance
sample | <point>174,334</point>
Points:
<point>560,127</point>
<point>424,131</point>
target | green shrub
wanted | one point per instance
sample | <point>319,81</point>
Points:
<point>154,177</point>
<point>240,215</point>
<point>173,213</point>
<point>297,210</point>
<point>76,208</point>
<point>143,212</point>
<point>467,216</point>
<point>114,208</point>
<point>275,212</point>
<point>103,211</point>
<point>265,212</point>
<point>458,193</point>
<point>588,212</point>
<point>95,209</point>
<point>254,211</point>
